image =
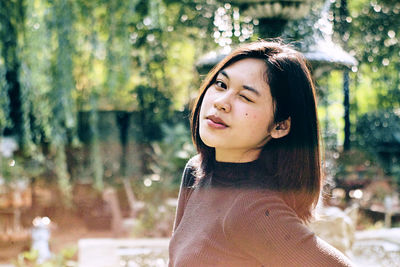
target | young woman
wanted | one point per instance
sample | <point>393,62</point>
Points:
<point>246,196</point>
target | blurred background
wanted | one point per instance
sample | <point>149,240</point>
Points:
<point>95,100</point>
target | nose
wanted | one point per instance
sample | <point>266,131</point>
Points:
<point>223,103</point>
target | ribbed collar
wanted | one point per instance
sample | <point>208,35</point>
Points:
<point>236,174</point>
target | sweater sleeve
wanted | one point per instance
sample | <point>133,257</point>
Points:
<point>184,192</point>
<point>263,226</point>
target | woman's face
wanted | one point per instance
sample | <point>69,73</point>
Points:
<point>236,114</point>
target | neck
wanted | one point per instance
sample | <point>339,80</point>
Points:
<point>237,174</point>
<point>235,156</point>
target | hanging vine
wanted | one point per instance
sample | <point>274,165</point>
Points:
<point>4,103</point>
<point>61,56</point>
<point>12,19</point>
<point>34,79</point>
<point>63,83</point>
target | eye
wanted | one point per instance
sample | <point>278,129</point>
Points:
<point>246,98</point>
<point>220,84</point>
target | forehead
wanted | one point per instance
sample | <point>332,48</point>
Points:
<point>248,69</point>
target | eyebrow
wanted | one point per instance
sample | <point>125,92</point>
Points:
<point>244,86</point>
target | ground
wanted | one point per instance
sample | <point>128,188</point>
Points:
<point>65,233</point>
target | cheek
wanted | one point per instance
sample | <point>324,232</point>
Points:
<point>207,100</point>
<point>251,116</point>
<point>257,120</point>
<point>204,105</point>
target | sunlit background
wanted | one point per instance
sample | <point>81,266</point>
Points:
<point>95,101</point>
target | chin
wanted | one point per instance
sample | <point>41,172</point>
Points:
<point>214,143</point>
<point>208,141</point>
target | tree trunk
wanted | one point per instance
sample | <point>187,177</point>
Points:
<point>11,19</point>
<point>123,122</point>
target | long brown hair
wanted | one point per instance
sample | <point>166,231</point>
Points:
<point>296,156</point>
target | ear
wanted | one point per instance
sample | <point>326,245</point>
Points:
<point>281,129</point>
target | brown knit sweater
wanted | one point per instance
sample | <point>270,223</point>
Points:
<point>224,224</point>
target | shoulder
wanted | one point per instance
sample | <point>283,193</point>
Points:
<point>260,211</point>
<point>189,173</point>
<point>194,162</point>
<point>266,201</point>
<point>262,219</point>
<point>262,225</point>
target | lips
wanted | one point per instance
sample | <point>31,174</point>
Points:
<point>216,122</point>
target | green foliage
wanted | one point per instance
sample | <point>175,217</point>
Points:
<point>368,30</point>
<point>11,169</point>
<point>20,168</point>
<point>62,259</point>
<point>60,168</point>
<point>68,55</point>
<point>12,19</point>
<point>4,102</point>
<point>154,108</point>
<point>63,107</point>
<point>95,155</point>
<point>357,164</point>
<point>374,27</point>
<point>172,153</point>
<point>146,43</point>
<point>169,158</point>
<point>39,80</point>
<point>301,32</point>
<point>330,108</point>
<point>154,221</point>
<point>372,35</point>
<point>34,78</point>
<point>60,57</point>
<point>379,128</point>
<point>379,133</point>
